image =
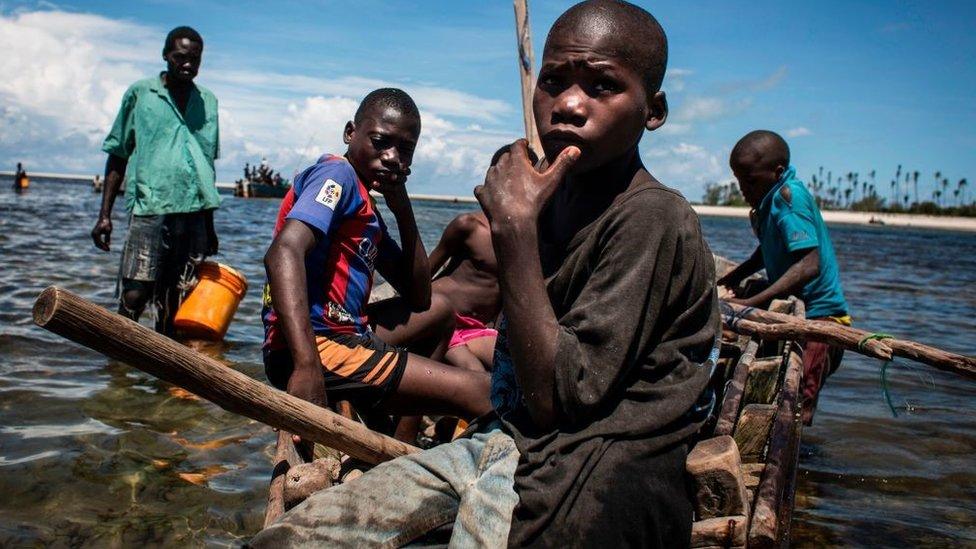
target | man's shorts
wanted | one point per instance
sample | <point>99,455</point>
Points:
<point>361,369</point>
<point>160,246</point>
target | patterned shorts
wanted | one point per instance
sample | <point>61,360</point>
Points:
<point>158,247</point>
<point>361,369</point>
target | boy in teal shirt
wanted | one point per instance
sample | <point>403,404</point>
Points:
<point>794,248</point>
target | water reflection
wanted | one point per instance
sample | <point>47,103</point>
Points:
<point>92,451</point>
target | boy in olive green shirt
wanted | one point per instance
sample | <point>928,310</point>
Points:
<point>164,142</point>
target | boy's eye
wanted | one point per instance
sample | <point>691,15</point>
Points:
<point>548,81</point>
<point>379,141</point>
<point>606,86</point>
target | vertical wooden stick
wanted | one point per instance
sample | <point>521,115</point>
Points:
<point>526,59</point>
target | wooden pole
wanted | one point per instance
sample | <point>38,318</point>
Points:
<point>81,321</point>
<point>286,457</point>
<point>776,326</point>
<point>526,59</point>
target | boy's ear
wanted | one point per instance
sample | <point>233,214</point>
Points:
<point>780,170</point>
<point>348,131</point>
<point>657,111</point>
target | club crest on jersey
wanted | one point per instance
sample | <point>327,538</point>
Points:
<point>329,194</point>
<point>337,313</point>
<point>368,251</point>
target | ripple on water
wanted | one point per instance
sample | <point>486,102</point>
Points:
<point>94,452</point>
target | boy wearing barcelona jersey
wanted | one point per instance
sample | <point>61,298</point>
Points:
<point>328,239</point>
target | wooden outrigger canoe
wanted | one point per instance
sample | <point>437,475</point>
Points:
<point>743,465</point>
<point>745,462</point>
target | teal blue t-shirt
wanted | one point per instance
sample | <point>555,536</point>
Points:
<point>787,226</point>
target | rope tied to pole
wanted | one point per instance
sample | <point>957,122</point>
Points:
<point>734,317</point>
<point>877,336</point>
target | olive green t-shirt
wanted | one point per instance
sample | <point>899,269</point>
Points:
<point>634,294</point>
<point>170,154</point>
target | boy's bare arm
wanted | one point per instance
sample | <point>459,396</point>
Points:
<point>285,265</point>
<point>410,273</point>
<point>114,175</point>
<point>743,270</point>
<point>452,241</point>
<point>805,269</point>
<point>512,197</point>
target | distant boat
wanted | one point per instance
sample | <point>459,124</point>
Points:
<point>261,182</point>
<point>247,189</point>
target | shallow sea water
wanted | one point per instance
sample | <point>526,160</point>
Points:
<point>93,452</point>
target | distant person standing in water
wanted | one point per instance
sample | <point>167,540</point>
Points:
<point>794,248</point>
<point>18,175</point>
<point>163,144</point>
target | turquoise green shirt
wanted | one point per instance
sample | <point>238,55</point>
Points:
<point>170,155</point>
<point>787,226</point>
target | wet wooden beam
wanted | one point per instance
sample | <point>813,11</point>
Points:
<point>773,503</point>
<point>734,391</point>
<point>762,381</point>
<point>716,470</point>
<point>305,479</point>
<point>717,532</point>
<point>752,430</point>
<point>286,456</point>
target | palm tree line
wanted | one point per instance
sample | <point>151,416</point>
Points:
<point>862,192</point>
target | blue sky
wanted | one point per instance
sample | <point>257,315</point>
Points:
<point>855,86</point>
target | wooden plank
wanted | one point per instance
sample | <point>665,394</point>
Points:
<point>762,381</point>
<point>734,390</point>
<point>752,473</point>
<point>716,470</point>
<point>752,430</point>
<point>79,320</point>
<point>773,507</point>
<point>729,531</point>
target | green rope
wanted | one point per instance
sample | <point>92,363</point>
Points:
<point>884,387</point>
<point>869,337</point>
<point>884,368</point>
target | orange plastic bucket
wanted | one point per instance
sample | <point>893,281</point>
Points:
<point>207,311</point>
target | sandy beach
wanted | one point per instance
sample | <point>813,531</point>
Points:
<point>840,217</point>
<point>878,219</point>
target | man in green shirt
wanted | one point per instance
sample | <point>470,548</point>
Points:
<point>163,144</point>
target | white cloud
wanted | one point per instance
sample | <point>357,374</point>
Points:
<point>799,131</point>
<point>687,166</point>
<point>702,108</point>
<point>66,73</point>
<point>675,80</point>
